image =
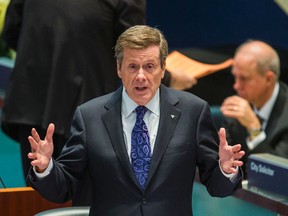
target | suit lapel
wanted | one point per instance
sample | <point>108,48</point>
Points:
<point>113,123</point>
<point>276,111</point>
<point>169,116</point>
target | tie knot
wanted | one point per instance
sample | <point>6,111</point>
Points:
<point>140,110</point>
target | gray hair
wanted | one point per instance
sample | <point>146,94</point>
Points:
<point>140,37</point>
<point>267,60</point>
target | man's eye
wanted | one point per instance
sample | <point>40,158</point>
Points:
<point>149,67</point>
<point>243,79</point>
<point>132,67</point>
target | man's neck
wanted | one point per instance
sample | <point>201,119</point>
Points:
<point>269,94</point>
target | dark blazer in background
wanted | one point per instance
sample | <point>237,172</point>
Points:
<point>184,142</point>
<point>276,130</point>
<point>65,57</point>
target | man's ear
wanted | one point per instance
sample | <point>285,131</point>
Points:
<point>119,70</point>
<point>163,69</point>
<point>270,77</point>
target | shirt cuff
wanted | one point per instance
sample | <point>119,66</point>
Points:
<point>256,141</point>
<point>46,172</point>
<point>232,176</point>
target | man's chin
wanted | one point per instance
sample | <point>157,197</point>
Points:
<point>242,96</point>
<point>141,99</point>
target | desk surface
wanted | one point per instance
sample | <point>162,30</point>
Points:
<point>246,201</point>
<point>273,202</point>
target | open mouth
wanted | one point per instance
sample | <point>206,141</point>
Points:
<point>141,88</point>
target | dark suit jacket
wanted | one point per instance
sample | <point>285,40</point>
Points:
<point>64,58</point>
<point>276,141</point>
<point>188,140</point>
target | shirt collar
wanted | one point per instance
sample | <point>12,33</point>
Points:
<point>128,105</point>
<point>265,111</point>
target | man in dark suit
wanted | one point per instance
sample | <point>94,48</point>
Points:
<point>135,172</point>
<point>257,116</point>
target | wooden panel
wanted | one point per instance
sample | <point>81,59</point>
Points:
<point>25,202</point>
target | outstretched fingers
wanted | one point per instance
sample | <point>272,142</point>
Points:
<point>50,132</point>
<point>35,135</point>
<point>222,137</point>
<point>229,155</point>
<point>41,149</point>
<point>238,153</point>
<point>34,139</point>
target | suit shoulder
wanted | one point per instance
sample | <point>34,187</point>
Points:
<point>187,97</point>
<point>96,102</point>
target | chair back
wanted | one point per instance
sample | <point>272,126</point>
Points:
<point>67,211</point>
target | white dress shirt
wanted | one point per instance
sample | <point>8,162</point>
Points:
<point>151,119</point>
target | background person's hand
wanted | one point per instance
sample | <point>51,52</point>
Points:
<point>240,109</point>
<point>41,149</point>
<point>182,80</point>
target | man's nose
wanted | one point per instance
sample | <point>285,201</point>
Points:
<point>141,74</point>
<point>236,85</point>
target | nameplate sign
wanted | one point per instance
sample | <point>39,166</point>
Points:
<point>268,172</point>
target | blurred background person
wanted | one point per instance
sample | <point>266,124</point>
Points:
<point>64,58</point>
<point>257,116</point>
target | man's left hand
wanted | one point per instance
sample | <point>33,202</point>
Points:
<point>229,155</point>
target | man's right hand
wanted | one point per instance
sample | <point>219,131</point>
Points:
<point>41,149</point>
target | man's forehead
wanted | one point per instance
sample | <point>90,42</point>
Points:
<point>145,53</point>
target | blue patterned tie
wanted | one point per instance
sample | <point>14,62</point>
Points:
<point>140,147</point>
